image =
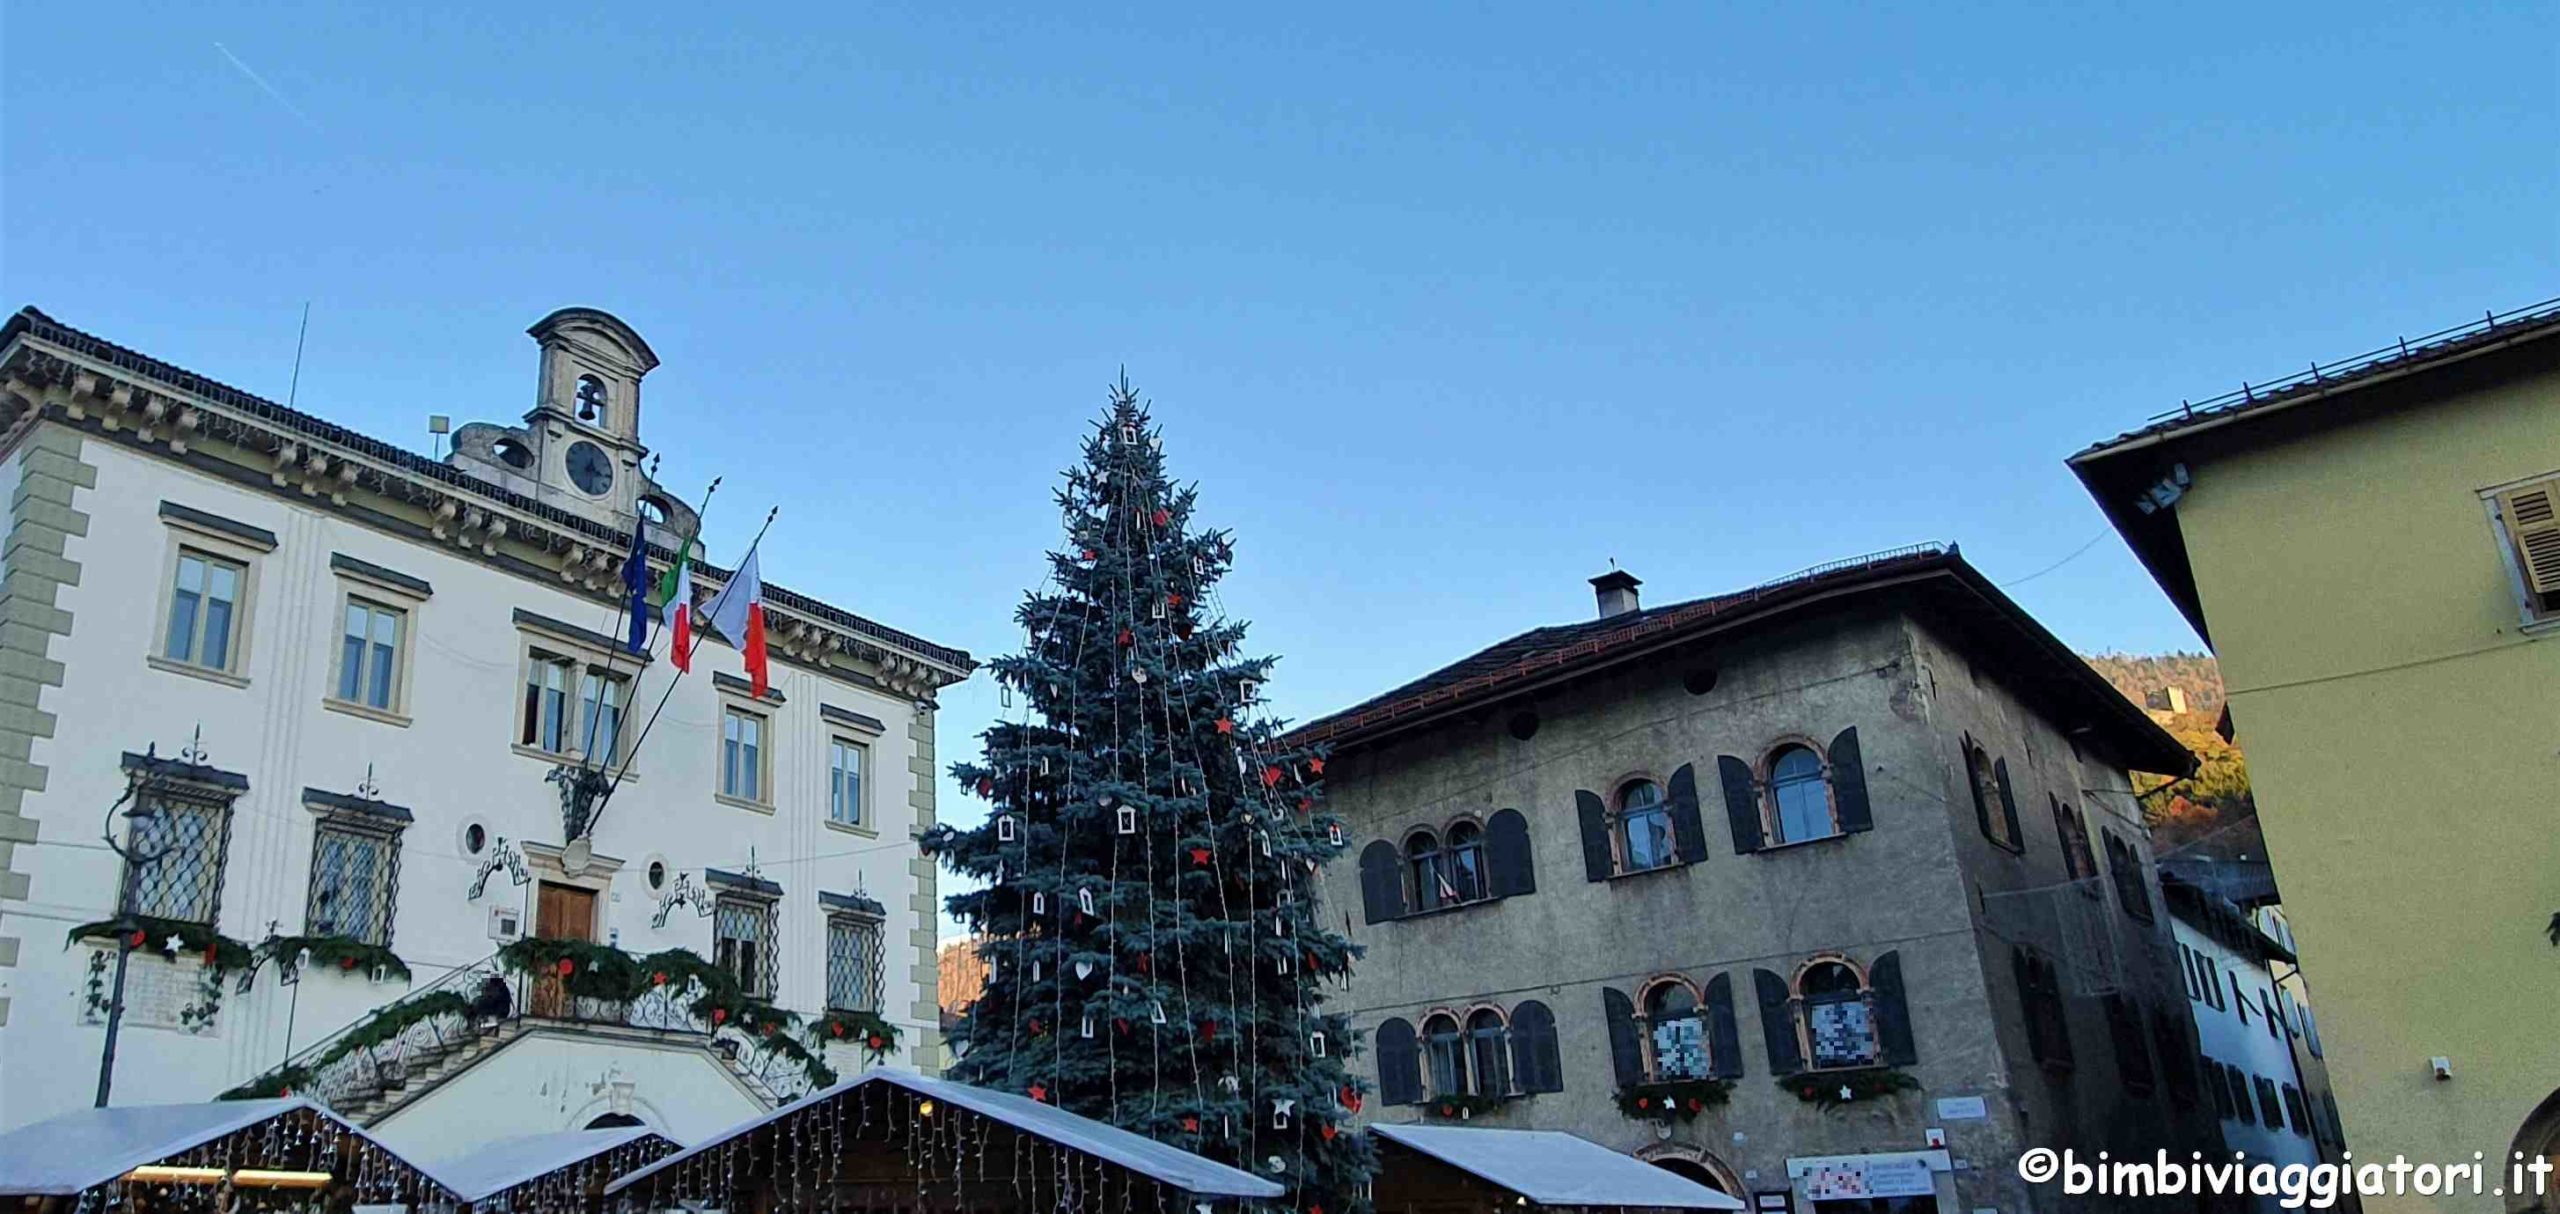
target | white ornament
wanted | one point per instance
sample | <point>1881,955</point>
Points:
<point>1084,969</point>
<point>1245,689</point>
<point>1128,819</point>
<point>1275,1165</point>
<point>1138,673</point>
<point>1035,969</point>
<point>1004,828</point>
<point>1228,1082</point>
<point>1315,1044</point>
<point>1265,841</point>
<point>1280,1110</point>
<point>1334,833</point>
<point>1039,903</point>
<point>1088,1024</point>
<point>1846,1094</point>
<point>1084,900</point>
<point>1157,1015</point>
<point>174,943</point>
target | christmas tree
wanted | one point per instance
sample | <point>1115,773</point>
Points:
<point>1152,856</point>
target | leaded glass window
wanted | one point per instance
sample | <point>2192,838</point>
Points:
<point>191,838</point>
<point>743,932</point>
<point>354,876</point>
<point>853,963</point>
<point>203,601</point>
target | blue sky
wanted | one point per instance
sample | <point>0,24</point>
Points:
<point>1445,308</point>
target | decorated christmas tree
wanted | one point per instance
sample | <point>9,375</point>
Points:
<point>1152,856</point>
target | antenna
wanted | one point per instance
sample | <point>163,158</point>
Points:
<point>296,385</point>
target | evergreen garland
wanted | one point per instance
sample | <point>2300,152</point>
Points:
<point>345,954</point>
<point>1821,1089</point>
<point>1669,1100</point>
<point>220,955</point>
<point>1151,862</point>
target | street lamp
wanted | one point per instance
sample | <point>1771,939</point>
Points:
<point>135,858</point>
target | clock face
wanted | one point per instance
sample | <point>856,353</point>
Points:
<point>590,469</point>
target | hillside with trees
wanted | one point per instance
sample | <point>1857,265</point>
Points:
<point>2219,794</point>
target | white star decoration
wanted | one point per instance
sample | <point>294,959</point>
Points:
<point>174,943</point>
<point>1846,1094</point>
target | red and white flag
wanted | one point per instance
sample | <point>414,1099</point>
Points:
<point>738,612</point>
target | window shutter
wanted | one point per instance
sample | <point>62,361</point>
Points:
<point>1849,783</point>
<point>2008,805</point>
<point>1381,882</point>
<point>1777,1024</point>
<point>1893,1014</point>
<point>1506,846</point>
<point>1626,1053</point>
<point>1596,864</point>
<point>1974,758</point>
<point>1741,803</point>
<point>1724,1037</point>
<point>1399,1064</point>
<point>1688,832</point>
<point>1534,1061</point>
<point>2533,519</point>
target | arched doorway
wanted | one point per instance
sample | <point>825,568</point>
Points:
<point>614,1121</point>
<point>2540,1136</point>
<point>1694,1164</point>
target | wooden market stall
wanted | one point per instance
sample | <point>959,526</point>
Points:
<point>220,1157</point>
<point>894,1142</point>
<point>1440,1169</point>
<point>550,1173</point>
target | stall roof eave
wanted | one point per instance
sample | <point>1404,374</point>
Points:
<point>89,1147</point>
<point>1164,1164</point>
<point>488,1170</point>
<point>1556,1169</point>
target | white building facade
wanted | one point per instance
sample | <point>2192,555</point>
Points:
<point>343,677</point>
<point>2258,1044</point>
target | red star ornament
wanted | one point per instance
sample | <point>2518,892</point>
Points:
<point>1270,776</point>
<point>1208,1030</point>
<point>1163,516</point>
<point>1226,726</point>
<point>1200,856</point>
<point>1328,1129</point>
<point>1174,599</point>
<point>1191,1125</point>
<point>1040,1092</point>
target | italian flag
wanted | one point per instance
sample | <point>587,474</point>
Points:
<point>675,608</point>
<point>738,612</point>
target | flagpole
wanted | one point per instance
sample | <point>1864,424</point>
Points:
<point>613,655</point>
<point>664,696</point>
<point>590,768</point>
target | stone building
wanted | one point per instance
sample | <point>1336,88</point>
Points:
<point>1833,893</point>
<point>345,680</point>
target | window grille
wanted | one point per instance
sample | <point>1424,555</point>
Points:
<point>192,836</point>
<point>854,972</point>
<point>355,879</point>
<point>745,943</point>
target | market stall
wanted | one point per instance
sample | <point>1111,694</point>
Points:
<point>220,1157</point>
<point>1438,1169</point>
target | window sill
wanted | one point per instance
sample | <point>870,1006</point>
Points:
<point>854,828</point>
<point>1452,908</point>
<point>367,711</point>
<point>193,671</point>
<point>742,803</point>
<point>1673,867</point>
<point>563,758</point>
<point>1792,844</point>
<point>2546,626</point>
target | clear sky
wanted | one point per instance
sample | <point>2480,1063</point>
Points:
<point>1445,308</point>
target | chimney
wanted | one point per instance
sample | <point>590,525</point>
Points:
<point>1617,592</point>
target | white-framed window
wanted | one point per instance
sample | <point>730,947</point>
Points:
<point>743,942</point>
<point>744,757</point>
<point>371,647</point>
<point>854,969</point>
<point>603,706</point>
<point>847,762</point>
<point>208,603</point>
<point>573,706</point>
<point>2526,517</point>
<point>1644,828</point>
<point>355,875</point>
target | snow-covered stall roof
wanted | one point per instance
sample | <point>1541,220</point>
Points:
<point>90,1147</point>
<point>1166,1165</point>
<point>485,1171</point>
<point>1556,1169</point>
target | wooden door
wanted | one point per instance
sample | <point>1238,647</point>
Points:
<point>561,912</point>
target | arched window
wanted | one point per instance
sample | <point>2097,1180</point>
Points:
<point>614,1121</point>
<point>1489,1048</point>
<point>1644,826</point>
<point>1444,1055</point>
<point>1676,1031</point>
<point>1430,886</point>
<point>512,453</point>
<point>593,401</point>
<point>1465,866</point>
<point>1839,1025</point>
<point>1799,797</point>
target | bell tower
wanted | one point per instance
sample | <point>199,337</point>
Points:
<point>585,420</point>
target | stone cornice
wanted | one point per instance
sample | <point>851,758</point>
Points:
<point>50,371</point>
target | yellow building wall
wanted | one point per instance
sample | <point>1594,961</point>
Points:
<point>2403,737</point>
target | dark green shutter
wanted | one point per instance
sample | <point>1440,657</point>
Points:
<point>1596,864</point>
<point>2008,805</point>
<point>1893,1013</point>
<point>1535,1063</point>
<point>1688,832</point>
<point>1381,882</point>
<point>1849,783</point>
<point>1777,1024</point>
<point>1724,1037</point>
<point>1399,1064</point>
<point>1506,848</point>
<point>1741,803</point>
<point>1626,1052</point>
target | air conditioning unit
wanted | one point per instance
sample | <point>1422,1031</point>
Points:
<point>505,924</point>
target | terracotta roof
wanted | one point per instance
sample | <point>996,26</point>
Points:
<point>32,322</point>
<point>1544,655</point>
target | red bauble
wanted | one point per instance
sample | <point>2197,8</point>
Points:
<point>1122,1025</point>
<point>1306,805</point>
<point>1174,599</point>
<point>346,963</point>
<point>1208,1030</point>
<point>1128,638</point>
<point>1694,1105</point>
<point>567,967</point>
<point>877,1043</point>
<point>986,789</point>
<point>658,979</point>
<point>1644,1102</point>
<point>137,940</point>
<point>1328,1130</point>
<point>1270,776</point>
<point>1350,1099</point>
<point>1035,1026</point>
<point>1088,554</point>
<point>719,1015</point>
<point>835,1029</point>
